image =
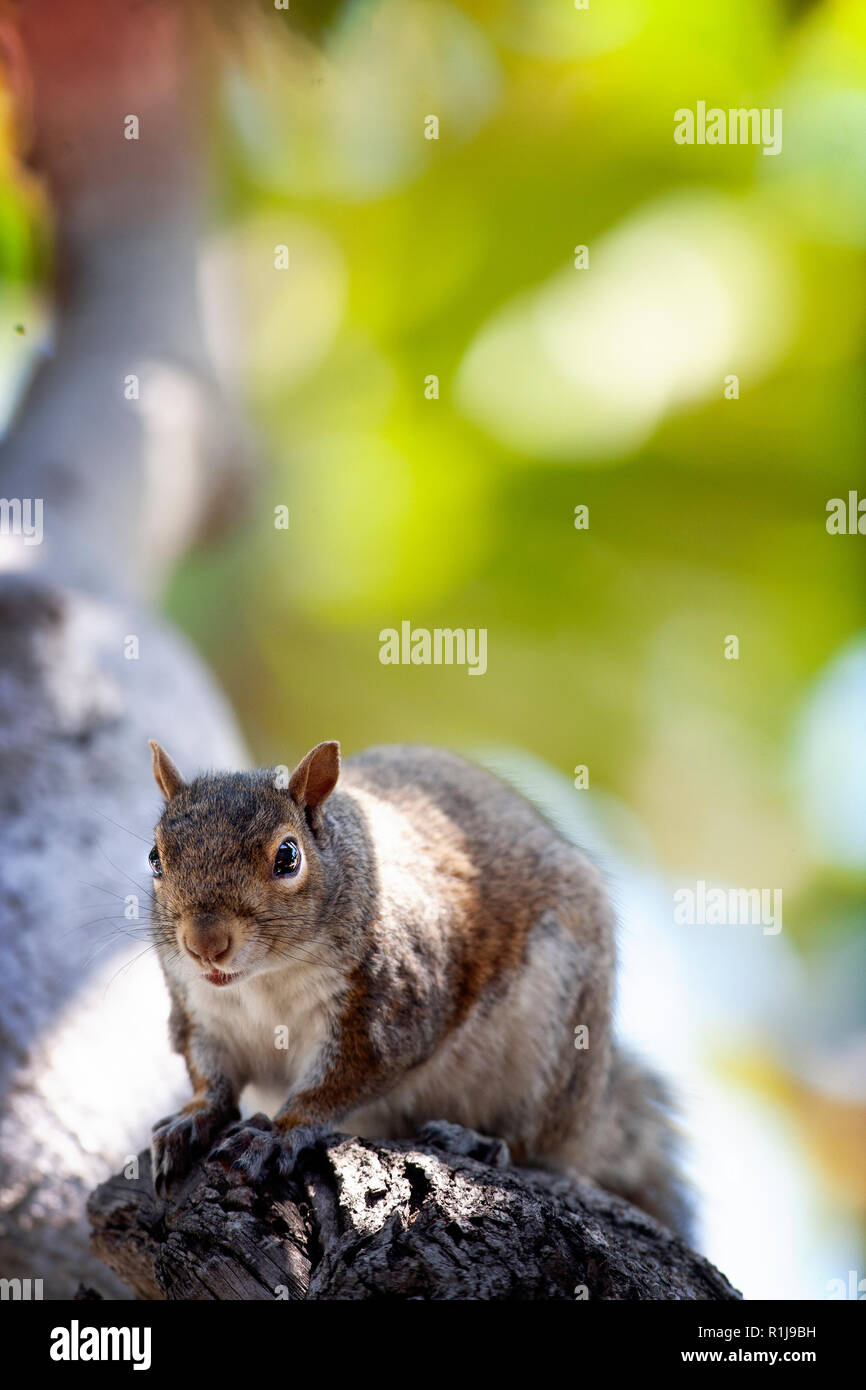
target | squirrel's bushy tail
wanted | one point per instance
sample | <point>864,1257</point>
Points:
<point>637,1145</point>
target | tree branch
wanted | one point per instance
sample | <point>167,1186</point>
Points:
<point>442,1217</point>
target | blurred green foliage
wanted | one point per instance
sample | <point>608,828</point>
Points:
<point>412,257</point>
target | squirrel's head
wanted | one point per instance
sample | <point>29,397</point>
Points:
<point>239,879</point>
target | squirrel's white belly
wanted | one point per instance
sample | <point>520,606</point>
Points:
<point>273,1028</point>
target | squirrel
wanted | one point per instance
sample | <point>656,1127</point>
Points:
<point>399,941</point>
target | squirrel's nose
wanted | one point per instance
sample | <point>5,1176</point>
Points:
<point>206,939</point>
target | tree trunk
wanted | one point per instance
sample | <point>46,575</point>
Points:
<point>87,672</point>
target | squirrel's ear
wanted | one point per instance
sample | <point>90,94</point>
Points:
<point>168,779</point>
<point>316,775</point>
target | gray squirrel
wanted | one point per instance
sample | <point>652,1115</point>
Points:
<point>399,941</point>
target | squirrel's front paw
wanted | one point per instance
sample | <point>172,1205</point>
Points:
<point>180,1139</point>
<point>250,1147</point>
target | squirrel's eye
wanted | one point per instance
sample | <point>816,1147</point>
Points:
<point>154,861</point>
<point>288,859</point>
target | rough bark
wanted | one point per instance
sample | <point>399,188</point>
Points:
<point>442,1217</point>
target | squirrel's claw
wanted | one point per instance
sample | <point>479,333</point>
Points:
<point>178,1140</point>
<point>249,1147</point>
<point>457,1139</point>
